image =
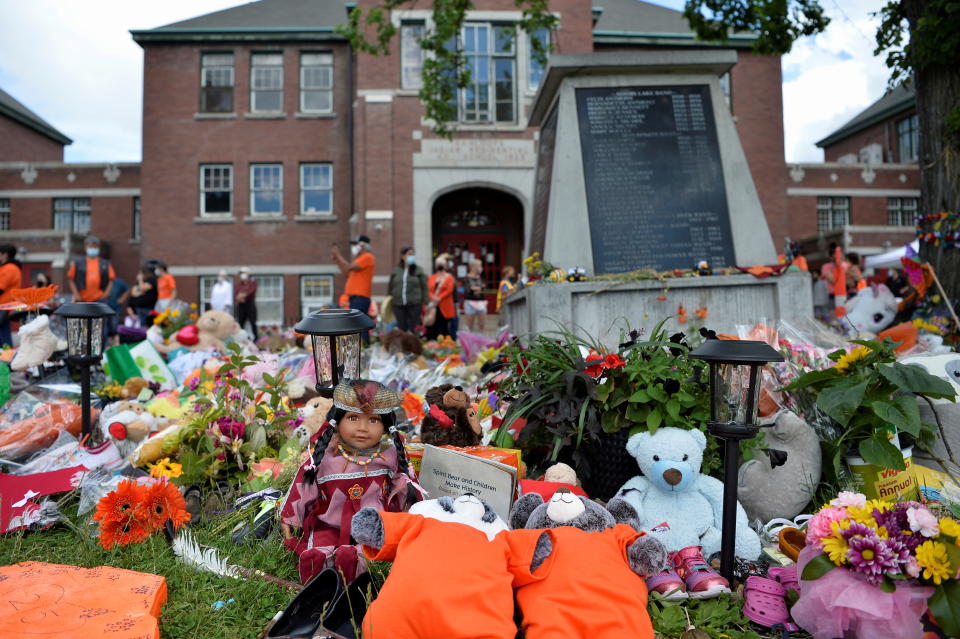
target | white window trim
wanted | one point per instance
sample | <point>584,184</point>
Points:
<point>5,215</point>
<point>253,106</point>
<point>320,214</point>
<point>233,80</point>
<point>303,108</point>
<point>258,299</point>
<point>404,43</point>
<point>253,210</point>
<point>203,211</point>
<point>304,298</point>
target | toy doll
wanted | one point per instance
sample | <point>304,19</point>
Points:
<point>357,462</point>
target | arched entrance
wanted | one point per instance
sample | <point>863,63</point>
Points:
<point>483,223</point>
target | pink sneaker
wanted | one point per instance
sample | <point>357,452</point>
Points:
<point>702,581</point>
<point>667,585</point>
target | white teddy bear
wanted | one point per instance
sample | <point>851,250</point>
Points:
<point>675,502</point>
<point>37,344</point>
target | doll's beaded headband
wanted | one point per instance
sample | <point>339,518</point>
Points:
<point>365,396</point>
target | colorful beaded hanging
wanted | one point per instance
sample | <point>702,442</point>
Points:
<point>358,459</point>
<point>939,228</point>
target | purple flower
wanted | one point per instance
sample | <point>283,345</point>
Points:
<point>194,383</point>
<point>898,525</point>
<point>198,408</point>
<point>856,529</point>
<point>871,558</point>
<point>233,429</point>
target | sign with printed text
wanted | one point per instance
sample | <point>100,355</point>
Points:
<point>453,473</point>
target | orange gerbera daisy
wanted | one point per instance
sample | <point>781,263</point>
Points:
<point>121,504</point>
<point>123,533</point>
<point>164,501</point>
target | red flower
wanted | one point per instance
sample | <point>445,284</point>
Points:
<point>596,370</point>
<point>682,315</point>
<point>702,312</point>
<point>613,361</point>
<point>661,298</point>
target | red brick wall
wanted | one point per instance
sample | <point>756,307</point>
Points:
<point>19,143</point>
<point>883,133</point>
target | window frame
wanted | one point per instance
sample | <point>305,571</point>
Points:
<point>254,190</point>
<point>908,128</point>
<point>258,300</point>
<point>304,189</point>
<point>491,57</point>
<point>533,66</point>
<point>831,209</point>
<point>5,214</point>
<point>304,90</point>
<point>203,207</point>
<point>406,44</point>
<point>305,306</point>
<point>217,67</point>
<point>254,66</point>
<point>75,213</point>
<point>896,209</point>
<point>136,230</point>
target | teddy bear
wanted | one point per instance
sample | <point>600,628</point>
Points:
<point>398,341</point>
<point>596,584</point>
<point>314,414</point>
<point>455,566</point>
<point>126,424</point>
<point>781,483</point>
<point>450,418</point>
<point>133,387</point>
<point>37,344</point>
<point>212,330</point>
<point>678,504</point>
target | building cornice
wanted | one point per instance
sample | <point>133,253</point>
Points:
<point>735,41</point>
<point>847,131</point>
<point>238,34</point>
<point>68,165</point>
<point>30,123</point>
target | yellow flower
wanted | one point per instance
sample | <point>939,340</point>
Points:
<point>161,318</point>
<point>950,527</point>
<point>836,546</point>
<point>175,314</point>
<point>857,354</point>
<point>927,326</point>
<point>932,557</point>
<point>865,515</point>
<point>193,305</point>
<point>166,468</point>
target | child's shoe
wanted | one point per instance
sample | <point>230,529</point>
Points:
<point>667,584</point>
<point>702,581</point>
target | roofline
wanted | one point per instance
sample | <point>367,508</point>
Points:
<point>844,132</point>
<point>235,33</point>
<point>36,125</point>
<point>736,40</point>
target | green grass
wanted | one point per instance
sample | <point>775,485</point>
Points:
<point>189,611</point>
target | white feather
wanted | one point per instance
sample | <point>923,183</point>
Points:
<point>186,548</point>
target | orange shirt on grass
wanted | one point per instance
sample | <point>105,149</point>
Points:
<point>448,581</point>
<point>166,285</point>
<point>9,280</point>
<point>94,288</point>
<point>590,590</point>
<point>361,282</point>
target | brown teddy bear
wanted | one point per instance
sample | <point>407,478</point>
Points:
<point>314,414</point>
<point>213,328</point>
<point>133,387</point>
<point>450,418</point>
<point>397,341</point>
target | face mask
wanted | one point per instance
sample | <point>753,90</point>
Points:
<point>512,279</point>
<point>355,250</point>
<point>93,252</point>
<point>244,276</point>
<point>411,260</point>
<point>440,268</point>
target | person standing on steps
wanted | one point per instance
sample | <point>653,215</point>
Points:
<point>408,290</point>
<point>246,297</point>
<point>359,272</point>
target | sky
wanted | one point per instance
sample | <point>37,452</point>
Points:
<point>74,64</point>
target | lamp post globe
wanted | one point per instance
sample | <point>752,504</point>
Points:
<point>336,338</point>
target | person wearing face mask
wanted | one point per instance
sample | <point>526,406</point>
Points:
<point>166,287</point>
<point>508,284</point>
<point>359,272</point>
<point>246,298</point>
<point>143,295</point>
<point>441,287</point>
<point>91,278</point>
<point>221,297</point>
<point>408,289</point>
<point>9,280</point>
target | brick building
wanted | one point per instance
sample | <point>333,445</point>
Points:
<point>266,140</point>
<point>864,195</point>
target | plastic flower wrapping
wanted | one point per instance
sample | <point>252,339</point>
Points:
<point>873,567</point>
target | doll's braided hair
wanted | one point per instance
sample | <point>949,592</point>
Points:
<point>333,418</point>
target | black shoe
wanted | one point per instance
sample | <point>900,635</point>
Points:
<point>343,619</point>
<point>302,617</point>
<point>244,533</point>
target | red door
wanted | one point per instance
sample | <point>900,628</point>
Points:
<point>487,247</point>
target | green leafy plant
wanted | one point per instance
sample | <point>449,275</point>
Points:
<point>720,617</point>
<point>871,397</point>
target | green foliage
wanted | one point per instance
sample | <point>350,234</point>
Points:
<point>943,606</point>
<point>720,617</point>
<point>933,41</point>
<point>777,23</point>
<point>444,67</point>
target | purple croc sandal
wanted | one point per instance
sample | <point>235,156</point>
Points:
<point>702,581</point>
<point>763,603</point>
<point>667,585</point>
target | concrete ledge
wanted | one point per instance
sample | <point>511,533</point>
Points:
<point>266,115</point>
<point>314,116</point>
<point>258,219</point>
<point>214,116</point>
<point>226,219</point>
<point>315,218</point>
<point>601,309</point>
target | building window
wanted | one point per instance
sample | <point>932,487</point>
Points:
<point>266,189</point>
<point>266,82</point>
<point>4,214</point>
<point>411,55</point>
<point>206,290</point>
<point>216,83</point>
<point>901,211</point>
<point>316,82</point>
<point>832,213</point>
<point>535,72</point>
<point>316,189</point>
<point>316,292</point>
<point>908,137</point>
<point>491,58</point>
<point>269,300</point>
<point>72,214</point>
<point>216,189</point>
<point>135,232</point>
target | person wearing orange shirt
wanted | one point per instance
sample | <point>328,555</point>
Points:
<point>166,287</point>
<point>440,288</point>
<point>9,280</point>
<point>359,272</point>
<point>91,278</point>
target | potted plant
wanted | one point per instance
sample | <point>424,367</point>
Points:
<point>871,398</point>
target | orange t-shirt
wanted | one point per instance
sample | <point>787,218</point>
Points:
<point>361,282</point>
<point>166,285</point>
<point>9,280</point>
<point>417,603</point>
<point>94,289</point>
<point>590,591</point>
<point>446,306</point>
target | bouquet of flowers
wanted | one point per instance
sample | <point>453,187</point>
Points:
<point>872,564</point>
<point>132,512</point>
